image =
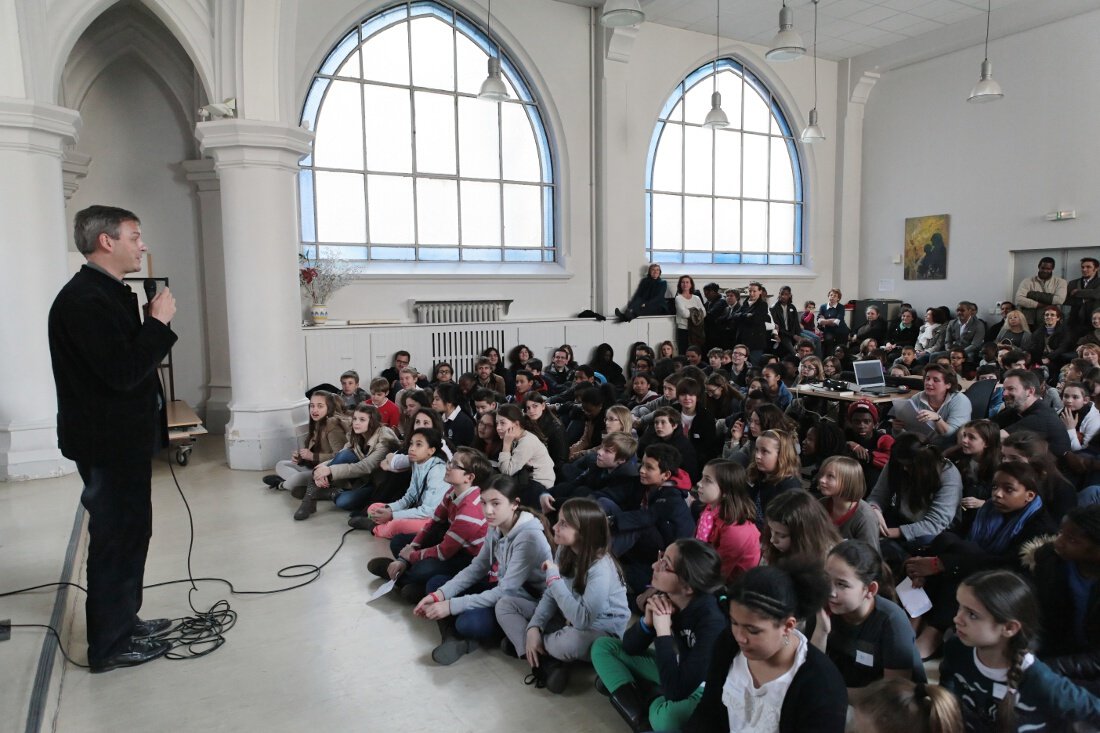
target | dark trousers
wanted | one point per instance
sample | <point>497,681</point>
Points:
<point>419,573</point>
<point>120,523</point>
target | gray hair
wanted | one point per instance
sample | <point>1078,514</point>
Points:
<point>95,220</point>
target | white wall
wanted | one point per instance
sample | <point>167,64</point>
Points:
<point>995,168</point>
<point>137,140</point>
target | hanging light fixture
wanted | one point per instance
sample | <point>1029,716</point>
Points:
<point>986,90</point>
<point>619,13</point>
<point>716,118</point>
<point>787,44</point>
<point>492,89</point>
<point>813,133</point>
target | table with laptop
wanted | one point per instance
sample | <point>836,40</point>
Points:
<point>871,385</point>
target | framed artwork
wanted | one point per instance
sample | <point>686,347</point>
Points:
<point>926,241</point>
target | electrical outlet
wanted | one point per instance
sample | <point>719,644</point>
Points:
<point>5,629</point>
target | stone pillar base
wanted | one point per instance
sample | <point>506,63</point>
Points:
<point>30,452</point>
<point>257,438</point>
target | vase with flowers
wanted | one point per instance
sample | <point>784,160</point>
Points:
<point>320,278</point>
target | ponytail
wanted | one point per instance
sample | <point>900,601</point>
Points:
<point>902,706</point>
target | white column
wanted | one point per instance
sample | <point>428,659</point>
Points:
<point>850,184</point>
<point>256,164</point>
<point>32,206</point>
<point>204,177</point>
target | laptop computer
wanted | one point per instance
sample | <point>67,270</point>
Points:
<point>871,379</point>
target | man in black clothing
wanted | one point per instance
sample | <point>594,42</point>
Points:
<point>111,420</point>
<point>785,314</point>
<point>1025,411</point>
<point>401,360</point>
<point>1083,297</point>
<point>716,308</point>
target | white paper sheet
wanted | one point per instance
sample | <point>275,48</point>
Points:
<point>905,411</point>
<point>914,600</point>
<point>384,589</point>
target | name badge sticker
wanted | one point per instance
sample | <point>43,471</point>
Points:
<point>867,660</point>
<point>999,690</point>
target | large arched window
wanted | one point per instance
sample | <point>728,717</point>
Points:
<point>728,196</point>
<point>408,164</point>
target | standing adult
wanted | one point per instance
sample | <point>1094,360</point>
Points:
<point>1044,289</point>
<point>754,322</point>
<point>830,321</point>
<point>716,308</point>
<point>649,299</point>
<point>686,299</point>
<point>785,314</point>
<point>110,421</point>
<point>1082,297</point>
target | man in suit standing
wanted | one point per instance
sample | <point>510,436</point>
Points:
<point>1083,297</point>
<point>111,420</point>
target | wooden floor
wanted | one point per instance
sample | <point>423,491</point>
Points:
<point>316,658</point>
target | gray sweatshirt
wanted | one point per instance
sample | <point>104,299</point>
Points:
<point>518,556</point>
<point>602,607</point>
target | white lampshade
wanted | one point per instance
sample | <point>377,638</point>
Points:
<point>716,118</point>
<point>493,89</point>
<point>813,133</point>
<point>986,90</point>
<point>787,44</point>
<point>618,13</point>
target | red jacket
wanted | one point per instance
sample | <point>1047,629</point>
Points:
<point>457,526</point>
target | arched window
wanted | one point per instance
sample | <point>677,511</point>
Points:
<point>727,196</point>
<point>408,164</point>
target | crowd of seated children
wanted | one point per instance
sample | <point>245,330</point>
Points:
<point>327,434</point>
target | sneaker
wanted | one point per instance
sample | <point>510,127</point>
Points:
<point>272,480</point>
<point>362,521</point>
<point>380,566</point>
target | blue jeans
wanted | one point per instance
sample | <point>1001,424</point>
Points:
<point>356,499</point>
<point>477,623</point>
<point>422,571</point>
<point>1088,496</point>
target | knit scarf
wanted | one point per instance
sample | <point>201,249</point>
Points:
<point>706,523</point>
<point>994,530</point>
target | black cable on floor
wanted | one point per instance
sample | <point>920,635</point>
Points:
<point>204,632</point>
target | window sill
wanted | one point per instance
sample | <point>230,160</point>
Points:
<point>761,272</point>
<point>391,271</point>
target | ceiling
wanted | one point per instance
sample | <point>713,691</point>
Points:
<point>854,28</point>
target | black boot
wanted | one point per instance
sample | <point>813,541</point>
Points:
<point>629,703</point>
<point>308,505</point>
<point>555,674</point>
<point>453,646</point>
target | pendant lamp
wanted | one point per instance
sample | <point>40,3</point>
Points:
<point>492,89</point>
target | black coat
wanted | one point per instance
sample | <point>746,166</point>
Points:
<point>109,397</point>
<point>1059,648</point>
<point>816,701</point>
<point>752,324</point>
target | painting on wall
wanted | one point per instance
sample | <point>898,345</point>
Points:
<point>926,240</point>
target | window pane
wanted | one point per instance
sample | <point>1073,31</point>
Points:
<point>697,223</point>
<point>433,53</point>
<point>391,209</point>
<point>727,163</point>
<point>340,215</point>
<point>782,183</point>
<point>697,102</point>
<point>677,114</point>
<point>389,129</point>
<point>757,115</point>
<point>339,141</point>
<point>305,195</point>
<point>756,226</point>
<point>521,157</point>
<point>522,216</point>
<point>698,160</point>
<point>667,232</point>
<point>730,84</point>
<point>435,132</point>
<point>478,139</point>
<point>437,211</point>
<point>439,254</point>
<point>480,214</point>
<point>351,67</point>
<point>781,228</point>
<point>472,66</point>
<point>668,165</point>
<point>481,255</point>
<point>756,167</point>
<point>386,55</point>
<point>727,225</point>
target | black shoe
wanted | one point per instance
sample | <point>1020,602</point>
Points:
<point>152,627</point>
<point>629,703</point>
<point>602,688</point>
<point>380,566</point>
<point>508,648</point>
<point>361,521</point>
<point>412,592</point>
<point>138,651</point>
<point>600,317</point>
<point>272,480</point>
<point>555,674</point>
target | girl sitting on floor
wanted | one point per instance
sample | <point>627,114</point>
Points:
<point>327,435</point>
<point>585,599</point>
<point>727,522</point>
<point>411,512</point>
<point>508,564</point>
<point>797,526</point>
<point>897,705</point>
<point>840,482</point>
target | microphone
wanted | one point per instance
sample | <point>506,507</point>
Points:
<point>150,286</point>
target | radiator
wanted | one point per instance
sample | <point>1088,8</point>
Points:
<point>461,348</point>
<point>460,311</point>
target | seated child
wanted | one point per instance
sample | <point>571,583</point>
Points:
<point>452,539</point>
<point>727,522</point>
<point>508,564</point>
<point>612,468</point>
<point>351,394</point>
<point>426,488</point>
<point>585,599</point>
<point>379,396</point>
